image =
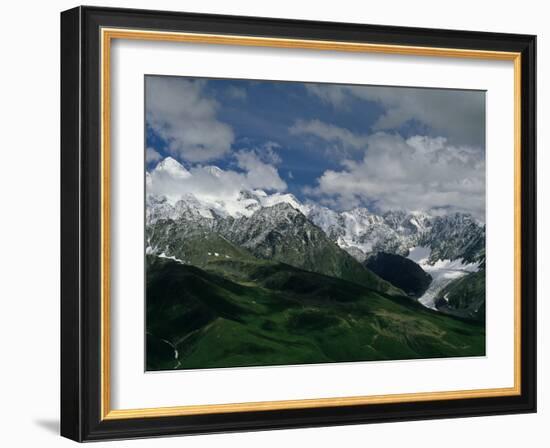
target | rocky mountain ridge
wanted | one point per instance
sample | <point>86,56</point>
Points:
<point>358,231</point>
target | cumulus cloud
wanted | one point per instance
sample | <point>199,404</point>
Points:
<point>328,132</point>
<point>180,113</point>
<point>419,173</point>
<point>172,180</point>
<point>151,155</point>
<point>458,115</point>
<point>258,173</point>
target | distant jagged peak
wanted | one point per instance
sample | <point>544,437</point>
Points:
<point>214,170</point>
<point>283,198</point>
<point>456,217</point>
<point>360,211</point>
<point>278,210</point>
<point>172,167</point>
<point>187,206</point>
<point>248,194</point>
<point>191,205</point>
<point>155,199</point>
<point>362,216</point>
<point>360,230</point>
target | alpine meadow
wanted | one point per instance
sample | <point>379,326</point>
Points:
<point>298,223</point>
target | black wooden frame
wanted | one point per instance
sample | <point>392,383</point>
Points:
<point>80,223</point>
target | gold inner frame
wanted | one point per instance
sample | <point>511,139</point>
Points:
<point>107,35</point>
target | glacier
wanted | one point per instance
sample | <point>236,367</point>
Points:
<point>443,272</point>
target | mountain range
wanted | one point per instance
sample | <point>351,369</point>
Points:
<point>357,231</point>
<point>276,245</point>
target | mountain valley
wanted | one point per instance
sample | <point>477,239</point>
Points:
<point>286,282</point>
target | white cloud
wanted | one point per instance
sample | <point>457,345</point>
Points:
<point>328,132</point>
<point>336,95</point>
<point>151,155</point>
<point>456,114</point>
<point>210,183</point>
<point>419,173</point>
<point>179,112</point>
<point>259,174</point>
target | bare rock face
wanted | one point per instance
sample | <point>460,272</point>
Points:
<point>355,245</point>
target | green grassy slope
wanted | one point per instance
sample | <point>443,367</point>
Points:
<point>464,297</point>
<point>242,311</point>
<point>202,247</point>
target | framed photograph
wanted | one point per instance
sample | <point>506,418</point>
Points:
<point>273,223</point>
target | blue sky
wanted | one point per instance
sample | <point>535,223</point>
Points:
<point>265,114</point>
<point>339,145</point>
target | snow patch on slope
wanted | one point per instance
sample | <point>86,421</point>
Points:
<point>171,167</point>
<point>443,272</point>
<point>170,257</point>
<point>243,205</point>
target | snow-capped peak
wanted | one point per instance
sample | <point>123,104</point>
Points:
<point>172,167</point>
<point>282,198</point>
<point>214,170</point>
<point>359,231</point>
